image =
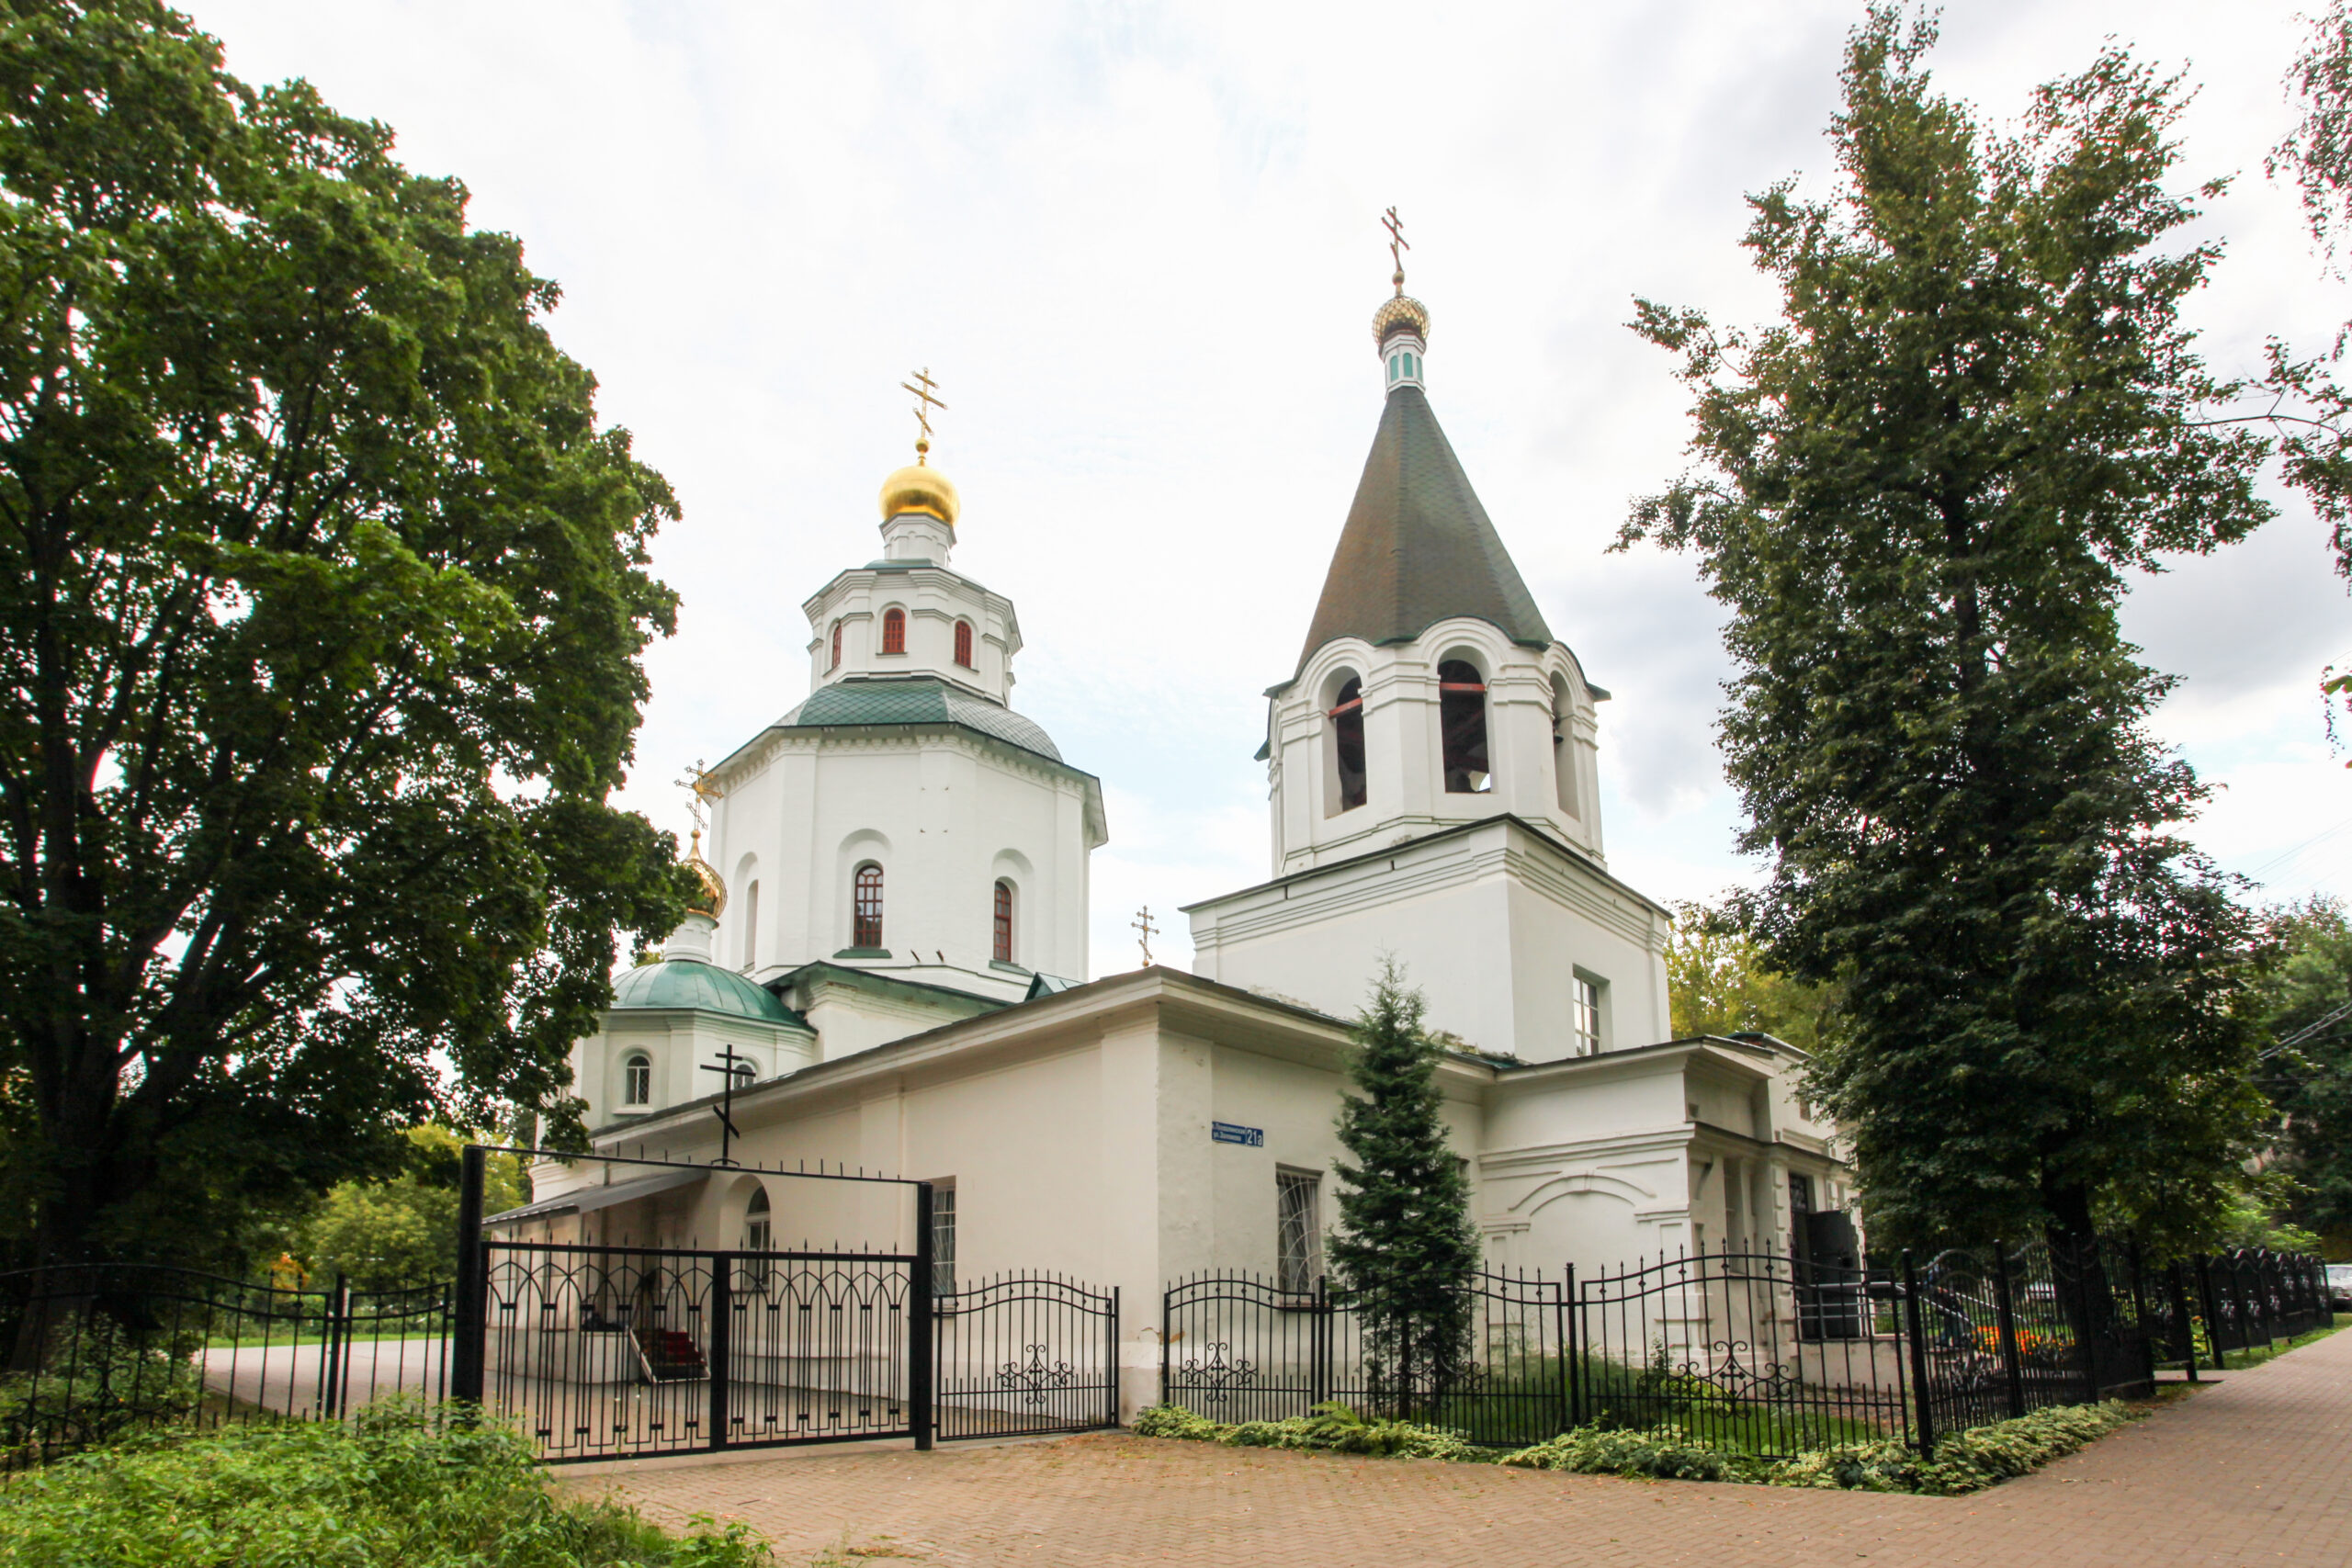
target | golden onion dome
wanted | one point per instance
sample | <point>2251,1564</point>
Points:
<point>1402,314</point>
<point>713,898</point>
<point>919,487</point>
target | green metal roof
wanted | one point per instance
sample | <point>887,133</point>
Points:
<point>917,700</point>
<point>1418,548</point>
<point>690,983</point>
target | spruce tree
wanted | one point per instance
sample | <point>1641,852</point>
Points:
<point>1405,1252</point>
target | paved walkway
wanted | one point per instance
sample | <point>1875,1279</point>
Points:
<point>2257,1470</point>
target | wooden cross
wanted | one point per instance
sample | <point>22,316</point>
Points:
<point>725,1109</point>
<point>925,402</point>
<point>1397,243</point>
<point>1142,922</point>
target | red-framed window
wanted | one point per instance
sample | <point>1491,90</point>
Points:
<point>964,644</point>
<point>894,631</point>
<point>1004,922</point>
<point>837,648</point>
<point>865,928</point>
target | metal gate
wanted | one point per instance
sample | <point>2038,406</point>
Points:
<point>1022,1353</point>
<point>610,1352</point>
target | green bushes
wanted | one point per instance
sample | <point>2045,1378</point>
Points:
<point>1964,1462</point>
<point>1331,1427</point>
<point>402,1486</point>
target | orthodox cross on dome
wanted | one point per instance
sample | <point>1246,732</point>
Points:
<point>924,404</point>
<point>1142,923</point>
<point>700,789</point>
<point>1398,245</point>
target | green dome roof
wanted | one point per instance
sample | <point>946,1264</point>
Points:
<point>690,983</point>
<point>920,700</point>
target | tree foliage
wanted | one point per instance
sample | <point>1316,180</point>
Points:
<point>2303,1005</point>
<point>321,595</point>
<point>384,1232</point>
<point>1405,1250</point>
<point>1718,982</point>
<point>1920,492</point>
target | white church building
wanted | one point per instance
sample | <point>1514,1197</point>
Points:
<point>890,957</point>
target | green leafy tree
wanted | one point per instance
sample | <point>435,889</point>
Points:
<point>1717,982</point>
<point>1405,1250</point>
<point>322,595</point>
<point>1920,493</point>
<point>385,1233</point>
<point>2303,1003</point>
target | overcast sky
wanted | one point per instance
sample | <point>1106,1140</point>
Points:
<point>1138,246</point>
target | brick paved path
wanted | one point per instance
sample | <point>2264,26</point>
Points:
<point>2256,1470</point>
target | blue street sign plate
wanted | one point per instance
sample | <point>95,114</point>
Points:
<point>1227,1132</point>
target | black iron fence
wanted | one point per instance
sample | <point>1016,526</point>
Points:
<point>1755,1350</point>
<point>96,1351</point>
<point>1240,1347</point>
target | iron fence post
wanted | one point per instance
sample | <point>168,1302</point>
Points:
<point>1167,1316</point>
<point>2012,1370</point>
<point>1111,1347</point>
<point>722,1339</point>
<point>467,1355</point>
<point>2180,1315</point>
<point>2084,1307</point>
<point>922,1364</point>
<point>335,1353</point>
<point>1319,1335</point>
<point>2211,1304</point>
<point>1567,1333</point>
<point>1925,1422</point>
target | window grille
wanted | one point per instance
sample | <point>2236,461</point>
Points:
<point>1347,746</point>
<point>837,648</point>
<point>1588,1010</point>
<point>1004,922</point>
<point>964,644</point>
<point>894,631</point>
<point>1298,1237</point>
<point>1462,723</point>
<point>943,1239</point>
<point>866,929</point>
<point>636,1080</point>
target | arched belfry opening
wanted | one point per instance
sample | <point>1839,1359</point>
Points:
<point>1461,725</point>
<point>1346,785</point>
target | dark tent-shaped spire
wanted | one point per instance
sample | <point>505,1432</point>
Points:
<point>1417,548</point>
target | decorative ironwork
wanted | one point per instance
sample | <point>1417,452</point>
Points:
<point>1215,1380</point>
<point>1035,1377</point>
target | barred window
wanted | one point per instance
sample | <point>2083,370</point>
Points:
<point>637,1080</point>
<point>1004,922</point>
<point>866,925</point>
<point>1298,1235</point>
<point>894,631</point>
<point>964,644</point>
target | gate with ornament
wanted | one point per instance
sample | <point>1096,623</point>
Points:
<point>1022,1353</point>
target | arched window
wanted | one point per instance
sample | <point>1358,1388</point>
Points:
<point>866,926</point>
<point>750,925</point>
<point>1004,922</point>
<point>637,1080</point>
<point>745,1075</point>
<point>1346,748</point>
<point>964,644</point>
<point>759,1236</point>
<point>894,631</point>
<point>837,650</point>
<point>1462,724</point>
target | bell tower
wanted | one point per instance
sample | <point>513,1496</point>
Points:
<point>1433,774</point>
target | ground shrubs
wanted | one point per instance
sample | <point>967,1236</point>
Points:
<point>1963,1461</point>
<point>402,1486</point>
